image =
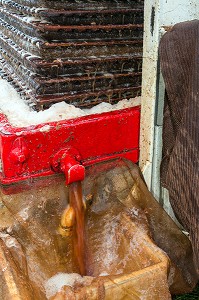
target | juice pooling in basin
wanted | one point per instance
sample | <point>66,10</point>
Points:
<point>122,224</point>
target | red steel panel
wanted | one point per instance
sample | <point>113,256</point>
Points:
<point>28,152</point>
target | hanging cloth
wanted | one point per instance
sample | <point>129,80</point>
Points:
<point>179,59</point>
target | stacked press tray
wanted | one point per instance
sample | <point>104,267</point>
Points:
<point>81,52</point>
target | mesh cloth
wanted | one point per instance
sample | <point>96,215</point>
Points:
<point>179,54</point>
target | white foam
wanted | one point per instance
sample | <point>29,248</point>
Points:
<point>24,213</point>
<point>9,240</point>
<point>19,114</point>
<point>55,283</point>
<point>103,274</point>
<point>110,248</point>
<point>34,19</point>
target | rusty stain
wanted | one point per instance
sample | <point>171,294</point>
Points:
<point>152,19</point>
<point>58,127</point>
<point>70,138</point>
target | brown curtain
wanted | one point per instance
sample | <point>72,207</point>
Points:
<point>179,58</point>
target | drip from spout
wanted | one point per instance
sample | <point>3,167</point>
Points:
<point>73,217</point>
<point>73,223</point>
<point>76,202</point>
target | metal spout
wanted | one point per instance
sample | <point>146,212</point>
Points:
<point>72,169</point>
<point>68,162</point>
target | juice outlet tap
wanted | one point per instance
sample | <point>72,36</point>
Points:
<point>68,161</point>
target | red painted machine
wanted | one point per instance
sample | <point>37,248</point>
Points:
<point>83,53</point>
<point>67,146</point>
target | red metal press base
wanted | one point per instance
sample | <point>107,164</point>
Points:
<point>36,151</point>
